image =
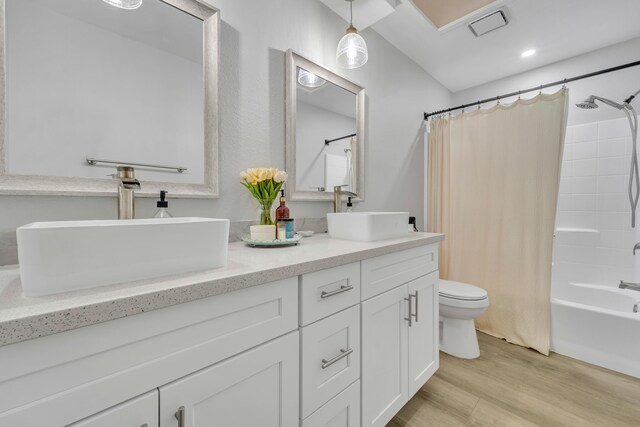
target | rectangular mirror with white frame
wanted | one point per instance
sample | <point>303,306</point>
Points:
<point>87,86</point>
<point>325,122</point>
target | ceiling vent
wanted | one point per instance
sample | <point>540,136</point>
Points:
<point>488,23</point>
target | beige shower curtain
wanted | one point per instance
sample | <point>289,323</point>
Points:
<point>493,178</point>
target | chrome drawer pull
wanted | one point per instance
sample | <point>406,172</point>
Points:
<point>180,416</point>
<point>410,312</point>
<point>343,288</point>
<point>343,353</point>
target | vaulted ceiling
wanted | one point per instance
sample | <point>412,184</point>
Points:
<point>557,29</point>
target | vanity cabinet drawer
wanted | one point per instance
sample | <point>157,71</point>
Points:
<point>330,358</point>
<point>325,292</point>
<point>341,411</point>
<point>386,272</point>
<point>140,411</point>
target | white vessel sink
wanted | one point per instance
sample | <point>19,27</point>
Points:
<point>368,226</point>
<point>69,255</point>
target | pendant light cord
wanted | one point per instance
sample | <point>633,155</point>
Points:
<point>351,12</point>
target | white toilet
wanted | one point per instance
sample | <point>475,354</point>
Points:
<point>460,303</point>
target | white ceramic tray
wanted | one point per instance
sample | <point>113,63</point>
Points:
<point>271,243</point>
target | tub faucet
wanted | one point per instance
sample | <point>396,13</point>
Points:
<point>629,285</point>
<point>636,247</point>
<point>127,184</point>
<point>338,192</point>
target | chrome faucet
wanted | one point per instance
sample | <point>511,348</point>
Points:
<point>629,285</point>
<point>636,247</point>
<point>127,184</point>
<point>337,197</point>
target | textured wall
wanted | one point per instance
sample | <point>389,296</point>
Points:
<point>255,34</point>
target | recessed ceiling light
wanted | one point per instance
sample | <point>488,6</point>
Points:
<point>528,53</point>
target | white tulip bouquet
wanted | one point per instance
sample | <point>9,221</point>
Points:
<point>264,184</point>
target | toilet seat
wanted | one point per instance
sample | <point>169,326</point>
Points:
<point>461,291</point>
<point>463,303</point>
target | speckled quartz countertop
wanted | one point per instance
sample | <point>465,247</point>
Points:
<point>23,318</point>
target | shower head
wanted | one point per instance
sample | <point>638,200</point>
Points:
<point>590,103</point>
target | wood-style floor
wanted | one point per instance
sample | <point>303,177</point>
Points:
<point>514,386</point>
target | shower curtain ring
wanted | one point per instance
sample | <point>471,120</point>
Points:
<point>540,90</point>
<point>519,95</point>
<point>478,104</point>
<point>498,99</point>
<point>564,84</point>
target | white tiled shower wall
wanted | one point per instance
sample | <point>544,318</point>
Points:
<point>594,238</point>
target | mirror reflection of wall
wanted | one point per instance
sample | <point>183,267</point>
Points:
<point>324,111</point>
<point>86,79</point>
<point>325,132</point>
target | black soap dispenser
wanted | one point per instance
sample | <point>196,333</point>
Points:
<point>349,205</point>
<point>163,205</point>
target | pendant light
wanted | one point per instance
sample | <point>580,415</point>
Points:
<point>309,80</point>
<point>124,4</point>
<point>352,49</point>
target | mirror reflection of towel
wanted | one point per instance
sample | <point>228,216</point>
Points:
<point>336,172</point>
<point>353,185</point>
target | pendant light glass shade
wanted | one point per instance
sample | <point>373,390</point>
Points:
<point>124,4</point>
<point>352,49</point>
<point>308,79</point>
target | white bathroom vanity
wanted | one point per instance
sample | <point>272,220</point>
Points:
<point>330,332</point>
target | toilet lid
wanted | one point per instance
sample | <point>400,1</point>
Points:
<point>462,291</point>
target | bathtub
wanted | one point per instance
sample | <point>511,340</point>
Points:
<point>598,325</point>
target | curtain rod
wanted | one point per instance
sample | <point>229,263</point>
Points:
<point>520,92</point>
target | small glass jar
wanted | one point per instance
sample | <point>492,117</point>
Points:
<point>285,229</point>
<point>281,230</point>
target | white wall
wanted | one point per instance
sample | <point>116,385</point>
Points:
<point>314,125</point>
<point>75,90</point>
<point>255,34</point>
<point>616,86</point>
